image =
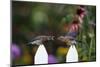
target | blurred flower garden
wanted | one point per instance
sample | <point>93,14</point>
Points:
<point>30,19</point>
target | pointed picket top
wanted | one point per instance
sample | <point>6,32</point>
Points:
<point>41,56</point>
<point>72,55</point>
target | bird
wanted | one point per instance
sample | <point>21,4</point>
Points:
<point>40,39</point>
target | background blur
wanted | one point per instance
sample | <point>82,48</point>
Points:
<point>30,19</point>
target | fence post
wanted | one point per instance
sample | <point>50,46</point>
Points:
<point>72,55</point>
<point>41,56</point>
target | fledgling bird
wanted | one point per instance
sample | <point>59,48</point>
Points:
<point>67,39</point>
<point>40,39</point>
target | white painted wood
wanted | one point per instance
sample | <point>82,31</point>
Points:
<point>41,56</point>
<point>72,55</point>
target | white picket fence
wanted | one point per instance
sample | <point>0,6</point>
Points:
<point>41,56</point>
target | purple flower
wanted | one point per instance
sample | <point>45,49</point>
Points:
<point>73,34</point>
<point>51,59</point>
<point>15,51</point>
